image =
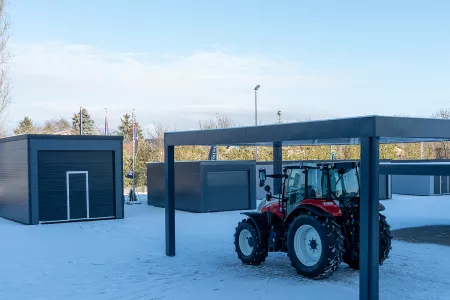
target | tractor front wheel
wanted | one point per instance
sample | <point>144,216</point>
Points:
<point>248,246</point>
<point>315,246</point>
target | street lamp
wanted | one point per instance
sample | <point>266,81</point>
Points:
<point>256,117</point>
<point>256,104</point>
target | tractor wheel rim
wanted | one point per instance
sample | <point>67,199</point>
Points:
<point>307,245</point>
<point>246,242</point>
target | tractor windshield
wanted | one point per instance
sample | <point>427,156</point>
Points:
<point>344,182</point>
<point>322,183</point>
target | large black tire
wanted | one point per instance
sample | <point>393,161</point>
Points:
<point>331,248</point>
<point>258,248</point>
<point>384,245</point>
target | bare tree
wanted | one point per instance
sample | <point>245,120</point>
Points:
<point>443,113</point>
<point>157,136</point>
<point>5,56</point>
<point>54,126</point>
<point>221,121</point>
<point>440,150</point>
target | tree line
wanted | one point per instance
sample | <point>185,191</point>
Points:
<point>151,149</point>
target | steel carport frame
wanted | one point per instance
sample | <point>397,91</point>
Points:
<point>368,131</point>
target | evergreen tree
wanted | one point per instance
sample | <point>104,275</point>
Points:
<point>126,128</point>
<point>89,127</point>
<point>26,126</point>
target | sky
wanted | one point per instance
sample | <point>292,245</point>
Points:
<point>179,62</point>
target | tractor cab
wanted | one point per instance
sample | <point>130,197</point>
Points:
<point>330,181</point>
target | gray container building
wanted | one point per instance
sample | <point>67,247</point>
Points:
<point>422,177</point>
<point>205,186</point>
<point>57,178</point>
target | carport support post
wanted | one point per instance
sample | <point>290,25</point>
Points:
<point>369,222</point>
<point>169,173</point>
<point>277,166</point>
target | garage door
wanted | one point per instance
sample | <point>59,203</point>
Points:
<point>75,185</point>
<point>227,191</point>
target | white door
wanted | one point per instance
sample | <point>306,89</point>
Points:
<point>77,195</point>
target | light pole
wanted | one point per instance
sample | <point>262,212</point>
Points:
<point>256,117</point>
<point>81,120</point>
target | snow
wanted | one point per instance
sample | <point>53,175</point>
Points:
<point>411,211</point>
<point>125,259</point>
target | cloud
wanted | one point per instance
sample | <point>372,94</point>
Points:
<point>53,79</point>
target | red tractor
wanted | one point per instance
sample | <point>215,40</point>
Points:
<point>315,220</point>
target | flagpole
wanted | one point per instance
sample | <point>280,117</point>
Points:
<point>134,156</point>
<point>81,120</point>
<point>106,121</point>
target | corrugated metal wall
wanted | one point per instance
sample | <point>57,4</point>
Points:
<point>14,192</point>
<point>202,186</point>
<point>187,185</point>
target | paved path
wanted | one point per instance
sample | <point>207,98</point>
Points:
<point>437,234</point>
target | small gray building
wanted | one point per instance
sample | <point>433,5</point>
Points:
<point>205,186</point>
<point>57,178</point>
<point>421,177</point>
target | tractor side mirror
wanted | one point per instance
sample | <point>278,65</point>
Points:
<point>262,177</point>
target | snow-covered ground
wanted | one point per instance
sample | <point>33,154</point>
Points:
<point>125,259</point>
<point>411,211</point>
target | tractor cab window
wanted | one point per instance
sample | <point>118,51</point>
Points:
<point>317,184</point>
<point>344,182</point>
<point>295,185</point>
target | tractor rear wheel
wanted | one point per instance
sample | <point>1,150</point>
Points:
<point>384,245</point>
<point>248,246</point>
<point>315,246</point>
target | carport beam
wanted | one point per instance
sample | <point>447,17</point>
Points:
<point>277,166</point>
<point>169,170</point>
<point>369,222</point>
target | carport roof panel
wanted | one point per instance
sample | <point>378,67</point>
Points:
<point>321,132</point>
<point>60,137</point>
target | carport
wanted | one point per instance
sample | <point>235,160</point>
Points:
<point>368,131</point>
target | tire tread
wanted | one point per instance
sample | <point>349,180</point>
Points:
<point>260,254</point>
<point>335,242</point>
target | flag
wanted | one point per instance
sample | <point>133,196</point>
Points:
<point>130,173</point>
<point>106,122</point>
<point>212,153</point>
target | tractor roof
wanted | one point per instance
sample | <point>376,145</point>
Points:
<point>329,165</point>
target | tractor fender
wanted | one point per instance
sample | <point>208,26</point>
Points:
<point>261,223</point>
<point>304,208</point>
